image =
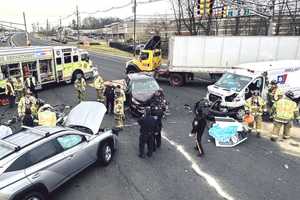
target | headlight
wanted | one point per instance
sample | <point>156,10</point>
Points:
<point>231,98</point>
<point>135,101</point>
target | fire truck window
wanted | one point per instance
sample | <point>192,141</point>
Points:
<point>4,72</point>
<point>13,70</point>
<point>58,61</point>
<point>75,58</point>
<point>45,66</point>
<point>67,58</point>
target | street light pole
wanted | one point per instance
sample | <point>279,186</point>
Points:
<point>26,32</point>
<point>77,14</point>
<point>134,26</point>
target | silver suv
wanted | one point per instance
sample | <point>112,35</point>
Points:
<point>36,161</point>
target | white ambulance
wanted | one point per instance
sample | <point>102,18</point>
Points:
<point>232,90</point>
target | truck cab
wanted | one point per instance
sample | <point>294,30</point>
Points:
<point>149,58</point>
<point>236,86</point>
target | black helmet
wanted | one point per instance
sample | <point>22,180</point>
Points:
<point>289,94</point>
<point>273,82</point>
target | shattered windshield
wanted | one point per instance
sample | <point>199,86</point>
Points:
<point>233,82</point>
<point>144,85</point>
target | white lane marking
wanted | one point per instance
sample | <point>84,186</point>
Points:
<point>210,180</point>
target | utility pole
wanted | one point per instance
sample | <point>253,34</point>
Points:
<point>60,30</point>
<point>134,26</point>
<point>26,32</point>
<point>47,28</point>
<point>78,34</point>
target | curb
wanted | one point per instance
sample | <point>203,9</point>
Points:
<point>95,52</point>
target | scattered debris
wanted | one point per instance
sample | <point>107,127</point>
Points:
<point>286,166</point>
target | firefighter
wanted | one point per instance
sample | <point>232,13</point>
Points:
<point>46,117</point>
<point>272,95</point>
<point>80,86</point>
<point>119,113</point>
<point>255,106</point>
<point>284,111</point>
<point>10,92</point>
<point>19,89</point>
<point>120,93</point>
<point>30,83</point>
<point>99,86</point>
<point>27,101</point>
<point>198,127</point>
<point>147,128</point>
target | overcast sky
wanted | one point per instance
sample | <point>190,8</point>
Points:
<point>41,10</point>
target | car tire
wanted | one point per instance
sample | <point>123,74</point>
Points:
<point>105,153</point>
<point>176,79</point>
<point>34,196</point>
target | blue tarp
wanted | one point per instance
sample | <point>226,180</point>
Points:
<point>222,134</point>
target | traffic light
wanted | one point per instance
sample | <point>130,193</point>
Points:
<point>204,7</point>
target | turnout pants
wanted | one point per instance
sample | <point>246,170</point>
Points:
<point>119,120</point>
<point>257,124</point>
<point>80,95</point>
<point>277,127</point>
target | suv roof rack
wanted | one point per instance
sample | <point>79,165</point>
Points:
<point>16,148</point>
<point>38,131</point>
<point>11,145</point>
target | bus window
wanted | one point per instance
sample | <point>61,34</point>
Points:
<point>58,61</point>
<point>67,58</point>
<point>75,58</point>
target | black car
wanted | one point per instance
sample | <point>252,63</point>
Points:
<point>140,91</point>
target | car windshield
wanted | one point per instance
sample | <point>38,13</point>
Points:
<point>233,82</point>
<point>144,85</point>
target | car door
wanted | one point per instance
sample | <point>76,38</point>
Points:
<point>45,164</point>
<point>74,147</point>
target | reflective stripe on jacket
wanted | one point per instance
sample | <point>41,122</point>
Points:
<point>285,110</point>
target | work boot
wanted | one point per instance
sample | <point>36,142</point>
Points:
<point>286,137</point>
<point>141,156</point>
<point>258,134</point>
<point>273,139</point>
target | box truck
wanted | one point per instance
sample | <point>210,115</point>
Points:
<point>191,57</point>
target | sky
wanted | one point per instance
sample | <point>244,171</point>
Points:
<point>41,10</point>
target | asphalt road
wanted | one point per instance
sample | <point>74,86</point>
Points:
<point>252,170</point>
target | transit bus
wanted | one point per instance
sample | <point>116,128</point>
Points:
<point>49,64</point>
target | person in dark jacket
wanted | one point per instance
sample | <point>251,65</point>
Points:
<point>147,128</point>
<point>157,112</point>
<point>198,127</point>
<point>109,93</point>
<point>28,118</point>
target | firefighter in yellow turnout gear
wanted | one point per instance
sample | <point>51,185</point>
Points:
<point>19,89</point>
<point>27,101</point>
<point>80,86</point>
<point>284,111</point>
<point>98,84</point>
<point>255,106</point>
<point>273,92</point>
<point>119,108</point>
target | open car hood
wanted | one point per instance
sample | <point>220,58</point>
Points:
<point>88,114</point>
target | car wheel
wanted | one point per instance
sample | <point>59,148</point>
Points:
<point>105,153</point>
<point>176,79</point>
<point>34,196</point>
